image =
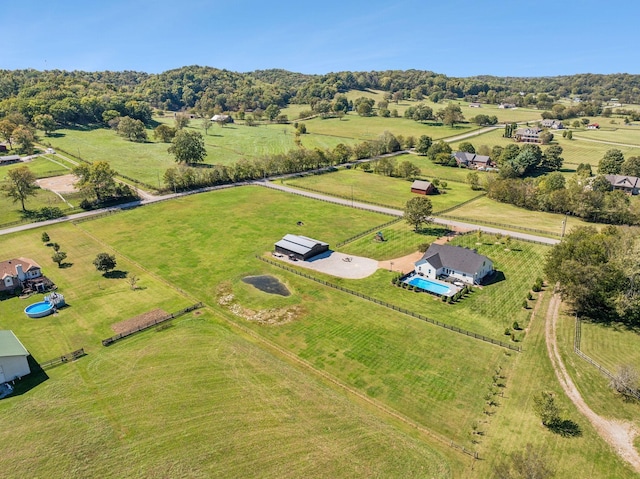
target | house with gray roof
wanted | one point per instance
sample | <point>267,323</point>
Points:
<point>628,184</point>
<point>9,159</point>
<point>300,247</point>
<point>13,357</point>
<point>554,124</point>
<point>528,135</point>
<point>471,160</point>
<point>454,262</point>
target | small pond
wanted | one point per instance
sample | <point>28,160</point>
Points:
<point>267,284</point>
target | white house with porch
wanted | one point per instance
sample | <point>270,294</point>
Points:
<point>454,262</point>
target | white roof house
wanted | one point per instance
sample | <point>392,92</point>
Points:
<point>463,264</point>
<point>13,357</point>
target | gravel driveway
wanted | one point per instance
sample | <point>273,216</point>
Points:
<point>338,264</point>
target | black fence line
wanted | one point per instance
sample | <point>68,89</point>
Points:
<point>65,358</point>
<point>576,349</point>
<point>300,193</point>
<point>343,197</point>
<point>459,205</point>
<point>393,306</point>
<point>369,231</point>
<point>96,216</point>
<point>118,337</point>
<point>501,225</point>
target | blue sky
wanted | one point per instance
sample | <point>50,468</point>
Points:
<point>453,37</point>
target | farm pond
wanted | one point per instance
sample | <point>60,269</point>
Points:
<point>267,284</point>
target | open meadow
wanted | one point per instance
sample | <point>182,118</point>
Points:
<point>334,386</point>
<point>374,188</point>
<point>487,211</point>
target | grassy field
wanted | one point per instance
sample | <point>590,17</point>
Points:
<point>616,134</point>
<point>148,161</point>
<point>347,337</point>
<point>221,405</point>
<point>515,423</point>
<point>370,187</point>
<point>488,210</point>
<point>42,167</point>
<point>229,398</point>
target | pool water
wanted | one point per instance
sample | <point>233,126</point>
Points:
<point>430,286</point>
<point>40,307</point>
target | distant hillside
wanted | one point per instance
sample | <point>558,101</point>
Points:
<point>94,97</point>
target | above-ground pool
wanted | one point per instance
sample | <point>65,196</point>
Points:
<point>432,286</point>
<point>38,310</point>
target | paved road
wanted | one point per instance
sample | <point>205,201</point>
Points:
<point>395,212</point>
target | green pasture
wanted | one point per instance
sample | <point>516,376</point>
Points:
<point>399,240</point>
<point>148,161</point>
<point>228,405</point>
<point>575,151</point>
<point>198,400</point>
<point>348,337</point>
<point>374,188</point>
<point>369,128</point>
<point>431,170</point>
<point>611,346</point>
<point>628,135</point>
<point>488,310</point>
<point>224,401</point>
<point>513,424</point>
<point>487,211</point>
<point>41,167</point>
<point>11,212</point>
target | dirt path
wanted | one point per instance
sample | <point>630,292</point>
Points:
<point>618,434</point>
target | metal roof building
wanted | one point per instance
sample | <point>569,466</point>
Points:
<point>300,247</point>
<point>13,357</point>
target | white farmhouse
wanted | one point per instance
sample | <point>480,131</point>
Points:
<point>13,357</point>
<point>455,262</point>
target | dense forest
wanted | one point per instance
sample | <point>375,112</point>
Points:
<point>95,97</point>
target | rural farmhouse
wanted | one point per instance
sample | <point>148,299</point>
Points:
<point>15,272</point>
<point>454,262</point>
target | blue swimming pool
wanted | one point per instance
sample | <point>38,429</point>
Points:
<point>38,310</point>
<point>430,286</point>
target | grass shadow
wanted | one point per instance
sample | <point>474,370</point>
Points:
<point>55,134</point>
<point>566,428</point>
<point>65,265</point>
<point>115,274</point>
<point>32,380</point>
<point>495,277</point>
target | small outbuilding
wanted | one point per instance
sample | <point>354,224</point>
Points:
<point>13,357</point>
<point>300,247</point>
<point>421,187</point>
<point>9,159</point>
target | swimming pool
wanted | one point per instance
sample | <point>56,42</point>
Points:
<point>430,286</point>
<point>38,310</point>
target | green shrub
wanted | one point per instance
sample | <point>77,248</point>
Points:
<point>529,296</point>
<point>516,326</point>
<point>507,331</point>
<point>525,304</point>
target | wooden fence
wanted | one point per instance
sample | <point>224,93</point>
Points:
<point>65,358</point>
<point>606,372</point>
<point>369,231</point>
<point>393,306</point>
<point>118,337</point>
